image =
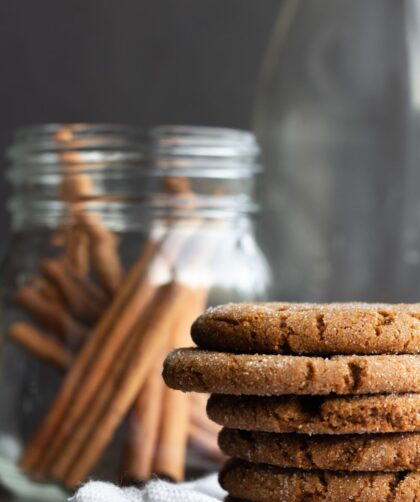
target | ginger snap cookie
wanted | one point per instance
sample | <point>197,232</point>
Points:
<point>374,452</point>
<point>265,483</point>
<point>245,374</point>
<point>318,415</point>
<point>299,328</point>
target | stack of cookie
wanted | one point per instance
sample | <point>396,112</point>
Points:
<point>318,402</point>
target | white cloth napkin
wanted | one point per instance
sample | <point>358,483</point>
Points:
<point>202,490</point>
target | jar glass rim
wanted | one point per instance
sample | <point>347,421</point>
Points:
<point>168,140</point>
<point>128,165</point>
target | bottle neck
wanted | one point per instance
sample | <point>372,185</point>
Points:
<point>130,176</point>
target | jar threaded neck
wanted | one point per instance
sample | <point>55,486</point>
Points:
<point>128,168</point>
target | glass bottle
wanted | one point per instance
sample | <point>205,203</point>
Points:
<point>337,118</point>
<point>121,238</point>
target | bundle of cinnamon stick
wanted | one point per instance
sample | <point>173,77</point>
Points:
<point>109,330</point>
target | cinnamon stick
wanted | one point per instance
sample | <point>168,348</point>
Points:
<point>142,428</point>
<point>153,329</point>
<point>51,315</point>
<point>81,304</point>
<point>90,240</point>
<point>172,443</point>
<point>103,252</point>
<point>44,287</point>
<point>72,189</point>
<point>41,345</point>
<point>77,249</point>
<point>177,185</point>
<point>77,186</point>
<point>90,288</point>
<point>93,361</point>
<point>173,435</point>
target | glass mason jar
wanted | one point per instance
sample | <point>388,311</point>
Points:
<point>338,120</point>
<point>121,238</point>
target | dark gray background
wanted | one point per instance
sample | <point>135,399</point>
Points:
<point>134,61</point>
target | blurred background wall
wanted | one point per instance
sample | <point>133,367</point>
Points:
<point>134,61</point>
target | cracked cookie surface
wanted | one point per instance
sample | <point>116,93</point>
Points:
<point>265,483</point>
<point>264,375</point>
<point>304,328</point>
<point>373,452</point>
<point>318,415</point>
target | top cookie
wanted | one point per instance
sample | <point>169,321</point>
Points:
<point>305,328</point>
